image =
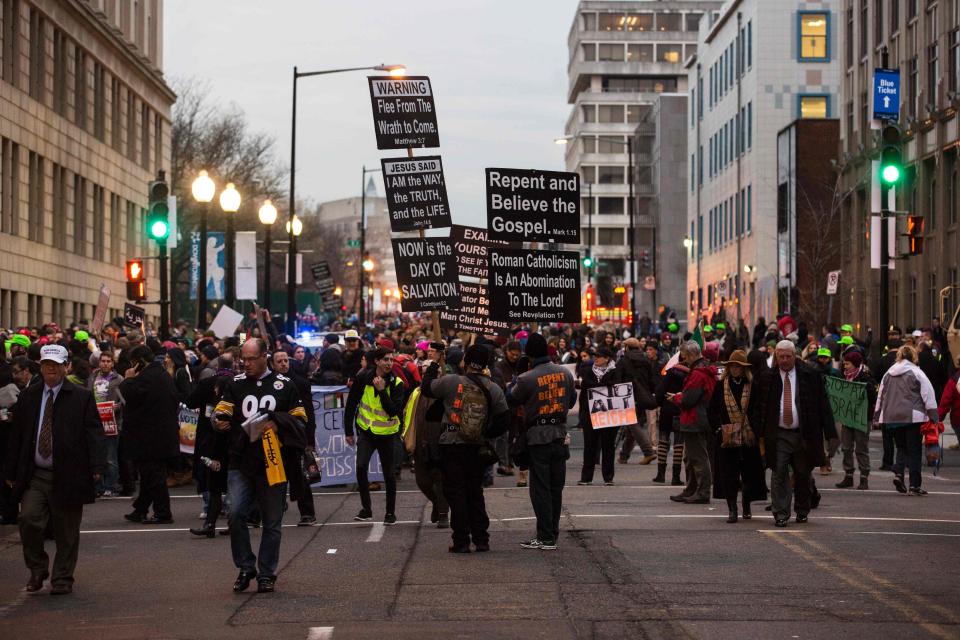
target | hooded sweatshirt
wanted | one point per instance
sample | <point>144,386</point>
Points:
<point>906,396</point>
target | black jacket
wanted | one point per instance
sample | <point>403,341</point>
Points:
<point>77,443</point>
<point>306,397</point>
<point>635,367</point>
<point>151,424</point>
<point>589,380</point>
<point>672,382</point>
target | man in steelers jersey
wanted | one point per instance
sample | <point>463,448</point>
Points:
<point>257,452</point>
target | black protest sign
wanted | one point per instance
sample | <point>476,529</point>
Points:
<point>471,246</point>
<point>473,314</point>
<point>133,315</point>
<point>527,205</point>
<point>416,193</point>
<point>534,286</point>
<point>426,274</point>
<point>404,114</point>
<point>322,277</point>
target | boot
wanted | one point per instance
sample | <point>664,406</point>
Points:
<point>661,473</point>
<point>676,482</point>
<point>207,530</point>
<point>846,483</point>
<point>746,510</point>
<point>688,492</point>
<point>864,485</point>
<point>732,505</point>
<point>522,478</point>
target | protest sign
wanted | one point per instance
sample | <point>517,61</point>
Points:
<point>226,322</point>
<point>100,315</point>
<point>471,246</point>
<point>849,402</point>
<point>404,115</point>
<point>133,315</point>
<point>529,205</point>
<point>426,273</point>
<point>612,406</point>
<point>473,313</point>
<point>188,429</point>
<point>335,458</point>
<point>416,193</point>
<point>108,417</point>
<point>534,286</point>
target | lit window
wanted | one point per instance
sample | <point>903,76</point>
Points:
<point>813,106</point>
<point>813,36</point>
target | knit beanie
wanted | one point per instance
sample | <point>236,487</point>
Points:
<point>536,346</point>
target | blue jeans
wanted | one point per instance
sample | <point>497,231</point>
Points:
<point>111,475</point>
<point>243,492</point>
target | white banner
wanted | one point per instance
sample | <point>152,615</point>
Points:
<point>246,271</point>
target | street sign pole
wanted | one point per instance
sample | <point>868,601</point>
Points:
<point>886,89</point>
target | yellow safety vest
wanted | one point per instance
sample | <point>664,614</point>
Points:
<point>372,417</point>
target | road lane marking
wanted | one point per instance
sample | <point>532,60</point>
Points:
<point>331,551</point>
<point>892,602</point>
<point>907,533</point>
<point>320,633</point>
<point>376,533</point>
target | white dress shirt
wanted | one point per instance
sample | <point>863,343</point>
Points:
<point>40,461</point>
<point>793,396</point>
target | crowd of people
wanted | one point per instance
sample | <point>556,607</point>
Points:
<point>85,416</point>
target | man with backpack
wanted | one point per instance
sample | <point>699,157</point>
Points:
<point>475,409</point>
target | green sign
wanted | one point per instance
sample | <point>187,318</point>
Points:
<point>353,243</point>
<point>849,402</point>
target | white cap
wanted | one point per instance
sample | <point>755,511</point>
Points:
<point>351,334</point>
<point>53,352</point>
<point>917,333</point>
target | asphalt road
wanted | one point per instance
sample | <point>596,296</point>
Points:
<point>630,564</point>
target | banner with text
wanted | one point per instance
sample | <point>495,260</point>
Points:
<point>534,286</point>
<point>612,406</point>
<point>426,273</point>
<point>849,402</point>
<point>416,193</point>
<point>404,115</point>
<point>335,458</point>
<point>529,205</point>
<point>471,246</point>
<point>473,314</point>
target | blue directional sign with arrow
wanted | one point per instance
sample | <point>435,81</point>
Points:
<point>886,94</point>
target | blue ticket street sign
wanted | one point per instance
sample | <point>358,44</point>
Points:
<point>886,94</point>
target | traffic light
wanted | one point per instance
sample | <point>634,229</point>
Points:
<point>158,211</point>
<point>645,261</point>
<point>915,234</point>
<point>891,155</point>
<point>136,282</point>
<point>587,261</point>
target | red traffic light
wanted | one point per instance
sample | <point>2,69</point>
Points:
<point>135,270</point>
<point>915,234</point>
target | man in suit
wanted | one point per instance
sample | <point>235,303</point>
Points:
<point>794,414</point>
<point>55,458</point>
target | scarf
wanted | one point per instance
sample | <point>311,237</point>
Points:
<point>600,372</point>
<point>738,432</point>
<point>852,375</point>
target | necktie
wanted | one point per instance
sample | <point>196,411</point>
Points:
<point>787,401</point>
<point>45,445</point>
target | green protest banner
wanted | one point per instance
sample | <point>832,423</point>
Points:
<point>849,402</point>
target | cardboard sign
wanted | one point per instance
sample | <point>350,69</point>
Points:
<point>100,315</point>
<point>335,458</point>
<point>416,193</point>
<point>404,115</point>
<point>226,322</point>
<point>133,315</point>
<point>833,282</point>
<point>473,313</point>
<point>612,406</point>
<point>534,286</point>
<point>108,418</point>
<point>529,205</point>
<point>848,400</point>
<point>426,273</point>
<point>470,249</point>
<point>188,429</point>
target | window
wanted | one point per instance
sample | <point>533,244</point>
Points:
<point>700,165</point>
<point>60,72</point>
<point>59,207</point>
<point>953,82</point>
<point>158,141</point>
<point>80,88</point>
<point>589,22</point>
<point>133,236</point>
<point>749,43</point>
<point>115,111</point>
<point>38,56</point>
<point>589,112</point>
<point>610,144</point>
<point>610,236</point>
<point>11,42</point>
<point>933,72</point>
<point>814,106</point>
<point>634,113</point>
<point>612,21</point>
<point>610,113</point>
<point>863,28</point>
<point>131,125</point>
<point>814,40</point>
<point>116,257</point>
<point>913,75</point>
<point>750,125</point>
<point>911,9</point>
<point>693,21</point>
<point>894,16</point>
<point>145,136</point>
<point>669,22</point>
<point>848,38</point>
<point>749,208</point>
<point>931,171</point>
<point>98,220</point>
<point>80,216</point>
<point>610,52</point>
<point>639,53</point>
<point>9,186</point>
<point>36,200</point>
<point>953,192</point>
<point>693,171</point>
<point>878,22</point>
<point>669,52</point>
<point>589,51</point>
<point>639,22</point>
<point>610,206</point>
<point>611,175</point>
<point>588,174</point>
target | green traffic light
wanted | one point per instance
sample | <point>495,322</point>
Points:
<point>890,173</point>
<point>588,262</point>
<point>159,229</point>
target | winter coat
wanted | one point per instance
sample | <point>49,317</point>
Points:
<point>906,396</point>
<point>672,382</point>
<point>589,380</point>
<point>950,402</point>
<point>694,399</point>
<point>635,367</point>
<point>152,421</point>
<point>77,443</point>
<point>110,388</point>
<point>210,442</point>
<point>813,407</point>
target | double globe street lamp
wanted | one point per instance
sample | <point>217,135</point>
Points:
<point>203,190</point>
<point>267,215</point>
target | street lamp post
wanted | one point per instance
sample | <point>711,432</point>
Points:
<point>202,189</point>
<point>292,253</point>
<point>230,203</point>
<point>267,215</point>
<point>363,233</point>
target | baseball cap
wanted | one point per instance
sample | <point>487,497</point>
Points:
<point>824,352</point>
<point>351,334</point>
<point>81,335</point>
<point>53,352</point>
<point>721,325</point>
<point>917,333</point>
<point>707,328</point>
<point>846,327</point>
<point>846,341</point>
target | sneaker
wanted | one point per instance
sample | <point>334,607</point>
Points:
<point>548,546</point>
<point>306,521</point>
<point>532,544</point>
<point>647,459</point>
<point>898,483</point>
<point>623,461</point>
<point>584,483</point>
<point>365,515</point>
<point>917,491</point>
<point>108,493</point>
<point>390,519</point>
<point>202,516</point>
<point>608,483</point>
